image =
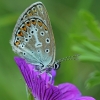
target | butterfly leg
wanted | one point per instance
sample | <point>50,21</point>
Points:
<point>51,78</point>
<point>48,74</point>
<point>40,73</point>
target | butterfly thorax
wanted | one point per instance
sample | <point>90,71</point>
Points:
<point>42,68</point>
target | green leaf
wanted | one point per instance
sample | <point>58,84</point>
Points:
<point>93,80</point>
<point>90,22</point>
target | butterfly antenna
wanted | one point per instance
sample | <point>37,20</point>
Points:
<point>74,57</point>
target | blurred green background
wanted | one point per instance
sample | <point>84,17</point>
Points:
<point>76,29</point>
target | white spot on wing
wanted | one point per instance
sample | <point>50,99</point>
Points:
<point>47,40</point>
<point>38,43</point>
<point>47,50</point>
<point>42,33</point>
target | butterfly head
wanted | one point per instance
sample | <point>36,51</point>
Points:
<point>56,65</point>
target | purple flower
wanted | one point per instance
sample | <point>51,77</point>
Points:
<point>40,87</point>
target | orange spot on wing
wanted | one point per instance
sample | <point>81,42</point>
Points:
<point>28,24</point>
<point>17,43</point>
<point>34,10</point>
<point>30,14</point>
<point>20,34</point>
<point>40,23</point>
<point>45,27</point>
<point>34,22</point>
<point>24,28</point>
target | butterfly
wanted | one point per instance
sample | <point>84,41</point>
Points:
<point>33,38</point>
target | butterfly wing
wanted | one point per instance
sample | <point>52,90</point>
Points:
<point>33,37</point>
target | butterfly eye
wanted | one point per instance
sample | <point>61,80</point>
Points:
<point>56,65</point>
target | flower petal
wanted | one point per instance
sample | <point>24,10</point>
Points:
<point>40,88</point>
<point>69,91</point>
<point>22,65</point>
<point>44,91</point>
<point>47,77</point>
<point>25,70</point>
<point>85,98</point>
